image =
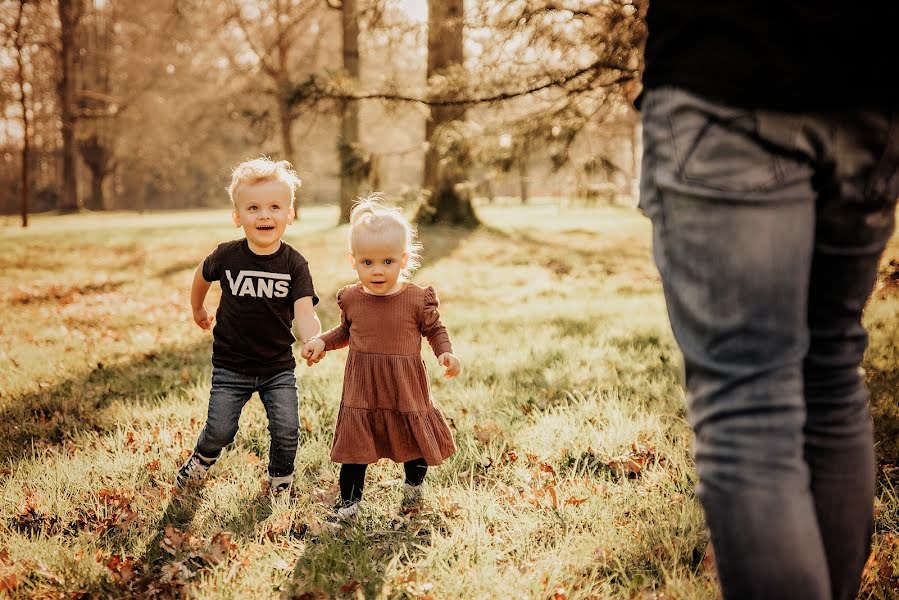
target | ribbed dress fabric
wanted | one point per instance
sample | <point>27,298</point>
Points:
<point>386,410</point>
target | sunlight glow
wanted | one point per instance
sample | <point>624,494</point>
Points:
<point>415,10</point>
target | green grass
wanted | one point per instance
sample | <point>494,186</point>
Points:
<point>573,477</point>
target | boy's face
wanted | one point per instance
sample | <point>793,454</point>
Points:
<point>264,212</point>
<point>378,263</point>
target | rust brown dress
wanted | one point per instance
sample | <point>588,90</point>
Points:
<point>386,410</point>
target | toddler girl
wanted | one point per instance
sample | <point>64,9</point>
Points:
<point>386,410</point>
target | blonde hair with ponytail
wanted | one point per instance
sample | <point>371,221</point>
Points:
<point>371,217</point>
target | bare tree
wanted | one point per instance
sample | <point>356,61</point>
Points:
<point>354,163</point>
<point>69,13</point>
<point>97,105</point>
<point>447,158</point>
<point>19,43</point>
<point>275,32</point>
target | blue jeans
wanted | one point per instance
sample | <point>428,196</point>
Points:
<point>230,392</point>
<point>767,231</point>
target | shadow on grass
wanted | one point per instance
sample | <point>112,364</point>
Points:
<point>178,514</point>
<point>59,413</point>
<point>177,267</point>
<point>253,511</point>
<point>355,560</point>
<point>440,241</point>
<point>64,294</point>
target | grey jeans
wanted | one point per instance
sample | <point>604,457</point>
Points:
<point>230,392</point>
<point>767,231</point>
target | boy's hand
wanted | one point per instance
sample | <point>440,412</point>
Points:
<point>203,319</point>
<point>452,364</point>
<point>313,351</point>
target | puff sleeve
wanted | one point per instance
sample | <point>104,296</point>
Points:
<point>339,336</point>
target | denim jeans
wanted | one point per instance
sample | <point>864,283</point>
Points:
<point>767,231</point>
<point>230,392</point>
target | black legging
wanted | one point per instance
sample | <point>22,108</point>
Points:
<point>352,478</point>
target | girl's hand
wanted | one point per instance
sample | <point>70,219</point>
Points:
<point>313,351</point>
<point>203,319</point>
<point>452,364</point>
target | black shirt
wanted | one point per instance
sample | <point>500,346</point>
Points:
<point>789,55</point>
<point>252,333</point>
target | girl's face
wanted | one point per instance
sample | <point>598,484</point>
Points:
<point>378,261</point>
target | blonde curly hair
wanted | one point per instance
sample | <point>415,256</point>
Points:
<point>260,170</point>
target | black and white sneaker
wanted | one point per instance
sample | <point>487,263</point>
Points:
<point>278,485</point>
<point>193,470</point>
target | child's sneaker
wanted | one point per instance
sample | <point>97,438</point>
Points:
<point>348,512</point>
<point>194,469</point>
<point>413,497</point>
<point>278,485</point>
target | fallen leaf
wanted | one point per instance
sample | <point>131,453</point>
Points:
<point>307,423</point>
<point>173,540</point>
<point>486,433</point>
<point>346,588</point>
<point>122,568</point>
<point>221,547</point>
<point>327,496</point>
<point>10,582</point>
<point>547,468</point>
<point>552,494</point>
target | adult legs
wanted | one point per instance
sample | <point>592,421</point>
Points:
<point>854,220</point>
<point>733,230</point>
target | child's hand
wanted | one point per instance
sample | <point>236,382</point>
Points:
<point>203,319</point>
<point>313,351</point>
<point>452,364</point>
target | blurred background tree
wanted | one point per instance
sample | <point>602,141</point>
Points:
<point>108,104</point>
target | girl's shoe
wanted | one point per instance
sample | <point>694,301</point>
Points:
<point>348,512</point>
<point>413,496</point>
<point>277,485</point>
<point>194,469</point>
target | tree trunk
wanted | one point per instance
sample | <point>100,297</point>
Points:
<point>97,202</point>
<point>20,60</point>
<point>635,156</point>
<point>98,158</point>
<point>286,131</point>
<point>68,18</point>
<point>523,164</point>
<point>446,203</point>
<point>348,144</point>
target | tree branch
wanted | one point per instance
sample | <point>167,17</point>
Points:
<point>628,74</point>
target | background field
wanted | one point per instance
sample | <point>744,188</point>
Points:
<point>573,477</point>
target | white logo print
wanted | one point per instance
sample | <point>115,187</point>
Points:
<point>266,285</point>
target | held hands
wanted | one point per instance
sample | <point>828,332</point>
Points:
<point>202,319</point>
<point>452,364</point>
<point>313,351</point>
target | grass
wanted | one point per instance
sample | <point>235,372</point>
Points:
<point>573,477</point>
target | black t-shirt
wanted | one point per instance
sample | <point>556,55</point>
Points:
<point>252,333</point>
<point>787,55</point>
